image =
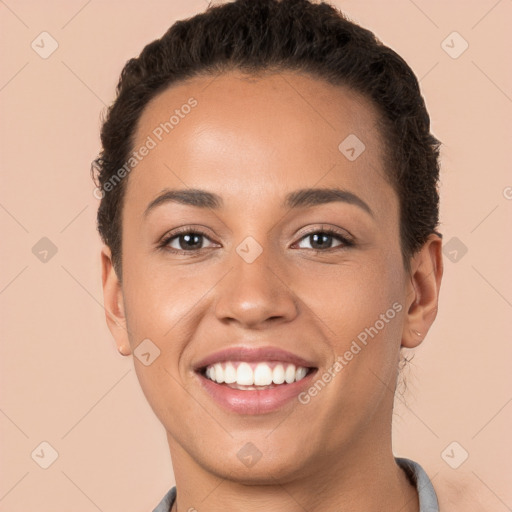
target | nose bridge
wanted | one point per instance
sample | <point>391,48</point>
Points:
<point>254,290</point>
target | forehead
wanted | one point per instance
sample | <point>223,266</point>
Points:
<point>244,135</point>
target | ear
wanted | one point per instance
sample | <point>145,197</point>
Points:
<point>114,303</point>
<point>426,271</point>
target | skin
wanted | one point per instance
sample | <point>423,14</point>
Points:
<point>252,140</point>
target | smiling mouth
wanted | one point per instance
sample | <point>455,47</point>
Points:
<point>248,376</point>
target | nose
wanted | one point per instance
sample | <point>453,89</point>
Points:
<point>255,294</point>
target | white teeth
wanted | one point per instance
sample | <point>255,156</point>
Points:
<point>229,374</point>
<point>219,373</point>
<point>289,374</point>
<point>263,374</point>
<point>300,373</point>
<point>244,375</point>
<point>210,372</point>
<point>278,377</point>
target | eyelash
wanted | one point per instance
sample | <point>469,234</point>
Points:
<point>346,243</point>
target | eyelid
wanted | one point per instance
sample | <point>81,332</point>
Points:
<point>189,228</point>
<point>327,228</point>
<point>183,230</point>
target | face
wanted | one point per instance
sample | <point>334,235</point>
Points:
<point>285,278</point>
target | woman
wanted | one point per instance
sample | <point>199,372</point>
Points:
<point>269,205</point>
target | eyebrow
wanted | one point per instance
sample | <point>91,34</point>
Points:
<point>302,198</point>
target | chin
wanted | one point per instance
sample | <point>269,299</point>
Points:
<point>249,465</point>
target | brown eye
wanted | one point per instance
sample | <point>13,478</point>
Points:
<point>190,241</point>
<point>185,241</point>
<point>324,240</point>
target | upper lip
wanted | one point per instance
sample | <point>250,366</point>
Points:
<point>251,354</point>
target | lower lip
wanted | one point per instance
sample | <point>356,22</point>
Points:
<point>254,401</point>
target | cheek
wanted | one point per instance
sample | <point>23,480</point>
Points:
<point>351,296</point>
<point>158,300</point>
<point>165,306</point>
<point>162,309</point>
<point>360,309</point>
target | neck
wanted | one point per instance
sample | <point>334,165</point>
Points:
<point>357,480</point>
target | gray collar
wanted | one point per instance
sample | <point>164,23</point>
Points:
<point>420,479</point>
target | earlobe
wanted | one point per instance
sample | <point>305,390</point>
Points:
<point>423,291</point>
<point>113,303</point>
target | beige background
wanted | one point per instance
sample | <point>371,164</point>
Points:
<point>63,382</point>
